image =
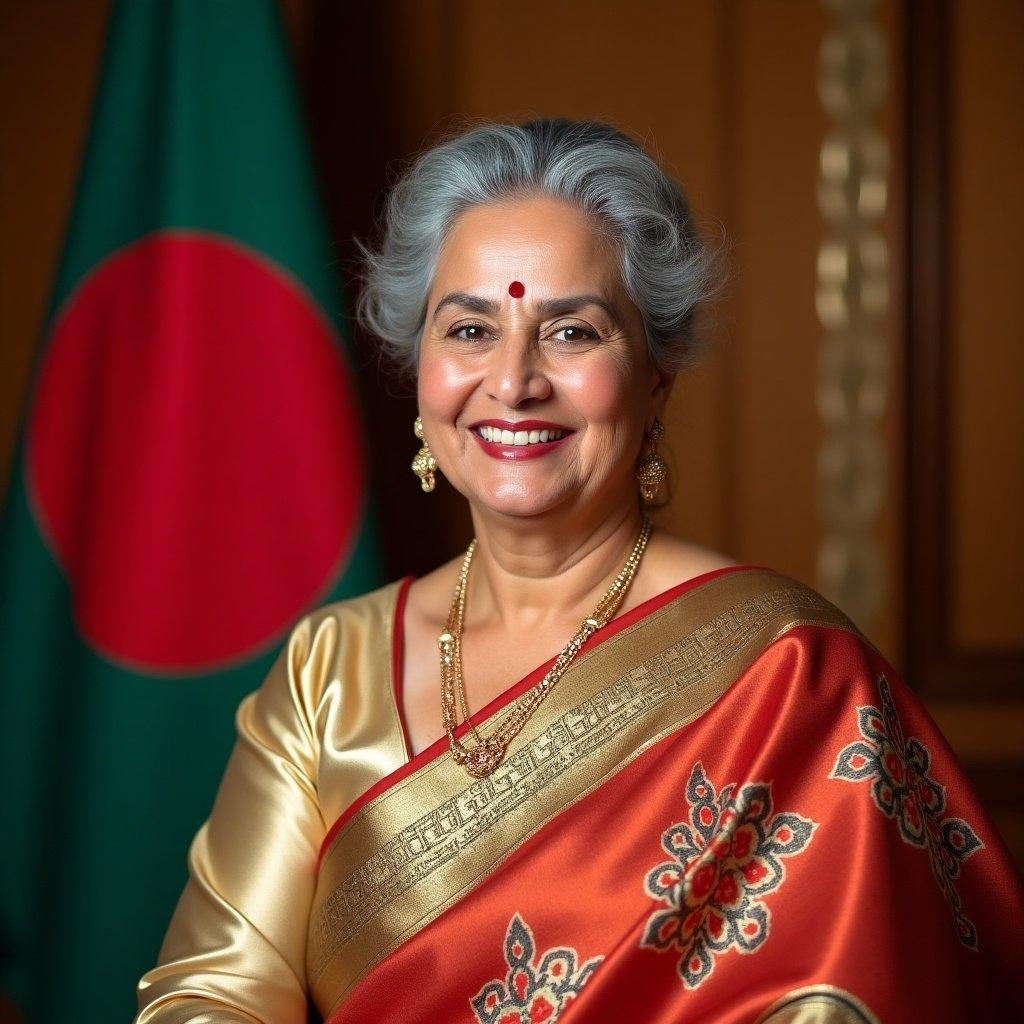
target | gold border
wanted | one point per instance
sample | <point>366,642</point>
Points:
<point>818,1004</point>
<point>421,845</point>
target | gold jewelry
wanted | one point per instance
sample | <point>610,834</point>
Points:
<point>424,465</point>
<point>483,758</point>
<point>652,469</point>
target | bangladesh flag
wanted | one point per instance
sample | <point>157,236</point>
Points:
<point>189,482</point>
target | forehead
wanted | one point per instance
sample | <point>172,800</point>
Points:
<point>547,244</point>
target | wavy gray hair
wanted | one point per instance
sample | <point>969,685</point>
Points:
<point>666,269</point>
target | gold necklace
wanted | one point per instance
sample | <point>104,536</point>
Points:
<point>484,757</point>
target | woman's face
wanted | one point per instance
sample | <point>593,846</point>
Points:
<point>567,357</point>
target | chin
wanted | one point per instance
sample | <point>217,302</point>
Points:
<point>512,499</point>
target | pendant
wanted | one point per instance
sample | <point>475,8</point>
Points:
<point>482,759</point>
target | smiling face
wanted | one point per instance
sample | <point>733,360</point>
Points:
<point>563,357</point>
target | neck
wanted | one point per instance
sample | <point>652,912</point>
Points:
<point>523,577</point>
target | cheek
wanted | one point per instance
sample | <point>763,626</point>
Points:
<point>601,389</point>
<point>443,385</point>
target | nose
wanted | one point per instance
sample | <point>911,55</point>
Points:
<point>516,372</point>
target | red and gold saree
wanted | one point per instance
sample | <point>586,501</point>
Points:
<point>730,809</point>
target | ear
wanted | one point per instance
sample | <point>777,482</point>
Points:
<point>662,382</point>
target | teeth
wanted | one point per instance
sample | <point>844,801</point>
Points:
<point>519,437</point>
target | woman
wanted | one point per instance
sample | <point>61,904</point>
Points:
<point>707,798</point>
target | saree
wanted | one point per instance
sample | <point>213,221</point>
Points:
<point>730,809</point>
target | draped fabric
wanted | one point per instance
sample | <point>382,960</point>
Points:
<point>729,809</point>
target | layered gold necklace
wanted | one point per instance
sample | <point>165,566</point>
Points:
<point>482,758</point>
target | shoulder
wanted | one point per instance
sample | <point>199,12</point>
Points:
<point>752,606</point>
<point>367,608</point>
<point>320,642</point>
<point>359,619</point>
<point>801,643</point>
<point>787,606</point>
<point>670,560</point>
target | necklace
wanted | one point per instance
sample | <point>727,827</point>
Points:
<point>484,757</point>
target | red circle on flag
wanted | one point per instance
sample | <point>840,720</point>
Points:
<point>193,453</point>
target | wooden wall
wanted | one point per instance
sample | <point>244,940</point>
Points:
<point>726,91</point>
<point>964,560</point>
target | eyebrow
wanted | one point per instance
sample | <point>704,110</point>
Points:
<point>545,307</point>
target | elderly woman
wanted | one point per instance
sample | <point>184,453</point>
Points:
<point>586,771</point>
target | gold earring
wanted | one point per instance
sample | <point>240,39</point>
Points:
<point>424,465</point>
<point>652,469</point>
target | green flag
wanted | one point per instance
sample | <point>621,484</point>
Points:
<point>189,481</point>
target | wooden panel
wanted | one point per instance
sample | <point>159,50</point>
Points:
<point>779,128</point>
<point>971,678</point>
<point>889,633</point>
<point>951,382</point>
<point>986,323</point>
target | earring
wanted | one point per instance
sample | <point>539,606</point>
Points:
<point>424,465</point>
<point>652,469</point>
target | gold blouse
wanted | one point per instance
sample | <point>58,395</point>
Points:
<point>320,730</point>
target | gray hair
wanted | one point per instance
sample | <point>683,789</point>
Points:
<point>665,267</point>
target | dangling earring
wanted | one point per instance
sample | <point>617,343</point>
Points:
<point>424,465</point>
<point>652,469</point>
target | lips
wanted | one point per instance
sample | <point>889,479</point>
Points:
<point>519,439</point>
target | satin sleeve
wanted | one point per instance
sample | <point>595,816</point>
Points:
<point>236,945</point>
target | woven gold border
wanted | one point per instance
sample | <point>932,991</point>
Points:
<point>421,845</point>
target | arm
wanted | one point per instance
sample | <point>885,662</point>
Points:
<point>234,952</point>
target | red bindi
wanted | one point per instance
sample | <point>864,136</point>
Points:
<point>517,289</point>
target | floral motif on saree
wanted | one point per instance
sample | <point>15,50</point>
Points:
<point>724,861</point>
<point>903,790</point>
<point>531,994</point>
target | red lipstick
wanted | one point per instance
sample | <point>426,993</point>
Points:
<point>498,449</point>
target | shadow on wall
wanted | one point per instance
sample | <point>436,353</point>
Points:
<point>361,131</point>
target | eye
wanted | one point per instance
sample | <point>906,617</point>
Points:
<point>475,332</point>
<point>577,334</point>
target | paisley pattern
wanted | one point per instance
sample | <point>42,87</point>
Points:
<point>723,861</point>
<point>531,993</point>
<point>903,790</point>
